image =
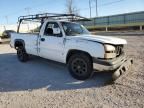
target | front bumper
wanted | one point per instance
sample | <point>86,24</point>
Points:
<point>112,64</point>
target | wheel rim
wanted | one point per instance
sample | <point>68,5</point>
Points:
<point>79,66</point>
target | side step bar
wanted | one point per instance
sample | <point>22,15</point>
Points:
<point>122,69</point>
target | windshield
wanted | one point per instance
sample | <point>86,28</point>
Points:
<point>74,29</point>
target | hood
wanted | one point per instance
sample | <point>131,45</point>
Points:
<point>101,39</point>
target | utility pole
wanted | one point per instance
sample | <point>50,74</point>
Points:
<point>0,20</point>
<point>90,7</point>
<point>96,8</point>
<point>28,11</point>
<point>6,17</point>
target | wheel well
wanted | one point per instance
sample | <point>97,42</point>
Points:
<point>71,52</point>
<point>18,44</point>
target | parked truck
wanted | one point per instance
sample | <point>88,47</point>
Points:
<point>68,42</point>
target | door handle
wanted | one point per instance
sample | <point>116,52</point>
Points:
<point>42,39</point>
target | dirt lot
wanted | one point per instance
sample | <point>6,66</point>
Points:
<point>41,83</point>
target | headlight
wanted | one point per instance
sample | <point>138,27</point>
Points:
<point>109,51</point>
<point>109,48</point>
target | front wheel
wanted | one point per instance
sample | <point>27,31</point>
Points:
<point>22,55</point>
<point>80,66</point>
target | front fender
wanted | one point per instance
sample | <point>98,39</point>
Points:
<point>94,49</point>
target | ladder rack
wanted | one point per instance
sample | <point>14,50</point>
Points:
<point>55,16</point>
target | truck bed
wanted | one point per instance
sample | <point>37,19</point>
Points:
<point>26,37</point>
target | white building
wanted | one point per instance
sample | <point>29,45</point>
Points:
<point>24,28</point>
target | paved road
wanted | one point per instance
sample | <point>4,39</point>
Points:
<point>41,83</point>
<point>39,73</point>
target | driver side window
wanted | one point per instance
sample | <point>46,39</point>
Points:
<point>53,29</point>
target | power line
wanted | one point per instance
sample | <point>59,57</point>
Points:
<point>24,9</point>
<point>83,9</point>
<point>101,5</point>
<point>105,4</point>
<point>28,10</point>
<point>110,3</point>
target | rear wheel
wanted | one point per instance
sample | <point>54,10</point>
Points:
<point>22,55</point>
<point>80,66</point>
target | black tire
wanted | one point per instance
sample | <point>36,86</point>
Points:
<point>22,55</point>
<point>80,66</point>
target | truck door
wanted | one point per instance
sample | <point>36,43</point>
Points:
<point>51,43</point>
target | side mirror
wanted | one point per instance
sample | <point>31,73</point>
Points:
<point>56,31</point>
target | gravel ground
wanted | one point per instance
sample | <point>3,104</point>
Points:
<point>41,83</point>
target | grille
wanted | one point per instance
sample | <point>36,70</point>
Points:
<point>119,50</point>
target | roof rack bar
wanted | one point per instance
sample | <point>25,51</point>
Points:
<point>71,17</point>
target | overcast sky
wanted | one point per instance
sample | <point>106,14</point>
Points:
<point>12,9</point>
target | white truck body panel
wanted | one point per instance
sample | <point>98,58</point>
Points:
<point>102,39</point>
<point>57,48</point>
<point>30,41</point>
<point>93,48</point>
<point>52,48</point>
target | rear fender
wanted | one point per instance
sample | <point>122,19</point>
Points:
<point>19,42</point>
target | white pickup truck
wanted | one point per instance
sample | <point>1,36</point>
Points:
<point>71,43</point>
